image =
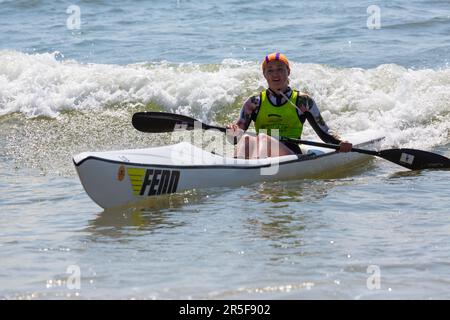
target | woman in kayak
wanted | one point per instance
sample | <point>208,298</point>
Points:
<point>278,108</point>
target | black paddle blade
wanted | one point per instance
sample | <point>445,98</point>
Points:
<point>415,159</point>
<point>156,122</point>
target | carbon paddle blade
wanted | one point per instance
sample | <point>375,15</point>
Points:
<point>156,122</point>
<point>415,159</point>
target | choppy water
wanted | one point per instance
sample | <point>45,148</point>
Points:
<point>67,91</point>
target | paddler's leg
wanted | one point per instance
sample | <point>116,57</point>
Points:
<point>271,147</point>
<point>260,147</point>
<point>247,147</point>
<point>241,150</point>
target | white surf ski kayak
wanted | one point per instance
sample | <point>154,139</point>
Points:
<point>116,178</point>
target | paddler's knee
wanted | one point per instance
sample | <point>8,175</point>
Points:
<point>264,139</point>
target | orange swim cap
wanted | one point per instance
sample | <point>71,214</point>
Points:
<point>275,56</point>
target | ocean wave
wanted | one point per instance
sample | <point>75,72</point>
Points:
<point>410,107</point>
<point>41,85</point>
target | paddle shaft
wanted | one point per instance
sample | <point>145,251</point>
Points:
<point>299,141</point>
<point>330,146</point>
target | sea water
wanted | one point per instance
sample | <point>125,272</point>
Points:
<point>73,73</point>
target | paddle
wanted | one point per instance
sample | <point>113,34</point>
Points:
<point>412,159</point>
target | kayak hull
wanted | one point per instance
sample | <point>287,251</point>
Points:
<point>122,177</point>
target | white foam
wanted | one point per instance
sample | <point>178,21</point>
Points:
<point>410,107</point>
<point>40,85</point>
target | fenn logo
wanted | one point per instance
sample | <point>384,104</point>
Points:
<point>153,181</point>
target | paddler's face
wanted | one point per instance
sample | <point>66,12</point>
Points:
<point>276,74</point>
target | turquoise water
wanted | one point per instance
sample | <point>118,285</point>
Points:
<point>67,91</point>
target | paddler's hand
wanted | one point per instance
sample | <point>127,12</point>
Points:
<point>345,146</point>
<point>234,130</point>
<point>234,133</point>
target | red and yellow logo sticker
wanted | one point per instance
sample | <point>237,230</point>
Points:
<point>121,173</point>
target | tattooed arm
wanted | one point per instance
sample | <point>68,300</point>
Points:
<point>316,121</point>
<point>246,115</point>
